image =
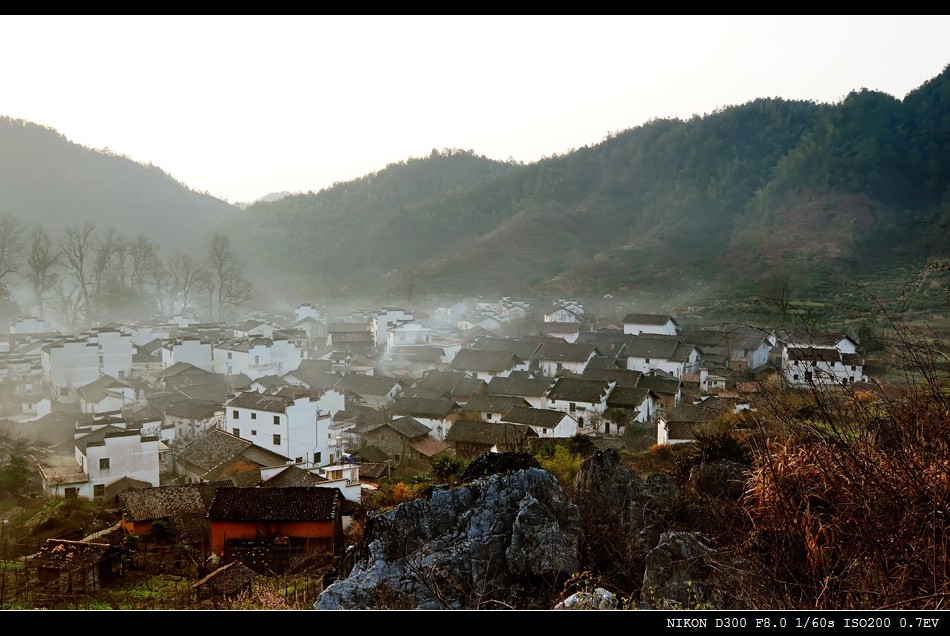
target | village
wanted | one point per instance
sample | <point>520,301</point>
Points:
<point>256,443</point>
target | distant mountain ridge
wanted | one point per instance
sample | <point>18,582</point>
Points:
<point>726,196</point>
<point>48,179</point>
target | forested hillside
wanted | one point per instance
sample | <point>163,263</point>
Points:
<point>45,178</point>
<point>723,197</point>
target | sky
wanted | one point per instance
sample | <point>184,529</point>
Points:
<point>244,106</point>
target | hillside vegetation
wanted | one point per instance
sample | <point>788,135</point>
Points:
<point>47,179</point>
<point>723,197</point>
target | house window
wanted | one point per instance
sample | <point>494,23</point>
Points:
<point>122,374</point>
<point>236,432</point>
<point>317,458</point>
<point>257,359</point>
<point>277,420</point>
<point>99,490</point>
<point>236,414</point>
<point>104,463</point>
<point>229,355</point>
<point>253,433</point>
<point>648,360</point>
<point>253,416</point>
<point>276,440</point>
<point>573,407</point>
<point>298,460</point>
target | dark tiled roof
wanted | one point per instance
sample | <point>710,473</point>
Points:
<point>275,504</point>
<point>168,501</point>
<point>657,384</point>
<point>519,387</point>
<point>68,556</point>
<point>623,377</point>
<point>577,390</point>
<point>240,471</point>
<point>441,381</point>
<point>494,403</point>
<point>423,407</point>
<point>260,402</point>
<point>485,361</point>
<point>262,456</point>
<point>212,449</point>
<point>227,580</point>
<point>542,418</point>
<point>627,397</point>
<point>524,348</point>
<point>648,319</point>
<point>427,446</point>
<point>816,354</point>
<point>367,385</point>
<point>192,410</point>
<point>565,352</point>
<point>293,477</point>
<point>490,433</point>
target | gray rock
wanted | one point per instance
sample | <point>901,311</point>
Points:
<point>620,510</point>
<point>599,599</point>
<point>686,571</point>
<point>493,540</point>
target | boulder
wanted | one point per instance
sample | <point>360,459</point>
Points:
<point>505,540</point>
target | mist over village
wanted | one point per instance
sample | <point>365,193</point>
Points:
<point>597,331</point>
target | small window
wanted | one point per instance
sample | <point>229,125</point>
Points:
<point>277,419</point>
<point>253,433</point>
<point>317,458</point>
<point>104,463</point>
<point>122,374</point>
<point>236,414</point>
<point>99,490</point>
<point>648,360</point>
<point>229,355</point>
<point>298,460</point>
<point>236,432</point>
<point>573,407</point>
<point>276,440</point>
<point>253,416</point>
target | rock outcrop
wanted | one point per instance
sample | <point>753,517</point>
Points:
<point>621,510</point>
<point>503,540</point>
<point>686,571</point>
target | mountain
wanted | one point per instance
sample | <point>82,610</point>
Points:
<point>45,178</point>
<point>728,197</point>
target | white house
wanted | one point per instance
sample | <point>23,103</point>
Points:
<point>292,427</point>
<point>102,457</point>
<point>636,324</point>
<point>68,365</point>
<point>115,352</point>
<point>190,350</point>
<point>580,398</point>
<point>105,394</point>
<point>386,319</point>
<point>257,357</point>
<point>28,324</point>
<point>821,366</point>
<point>546,423</point>
<point>409,334</point>
<point>671,354</point>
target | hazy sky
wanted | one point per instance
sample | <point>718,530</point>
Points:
<point>245,106</point>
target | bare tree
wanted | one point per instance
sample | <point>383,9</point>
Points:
<point>42,263</point>
<point>11,230</point>
<point>144,253</point>
<point>410,279</point>
<point>159,279</point>
<point>185,273</point>
<point>233,290</point>
<point>76,246</point>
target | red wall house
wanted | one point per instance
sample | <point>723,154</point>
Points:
<point>308,518</point>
